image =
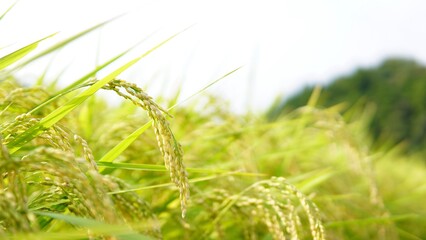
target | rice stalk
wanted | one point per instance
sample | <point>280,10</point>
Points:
<point>48,175</point>
<point>169,147</point>
<point>272,202</point>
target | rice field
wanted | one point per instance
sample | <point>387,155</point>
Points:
<point>74,167</point>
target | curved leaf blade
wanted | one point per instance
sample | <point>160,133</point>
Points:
<point>62,111</point>
<point>20,53</point>
<point>65,42</point>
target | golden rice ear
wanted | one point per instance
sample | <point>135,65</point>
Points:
<point>87,152</point>
<point>273,203</point>
<point>58,177</point>
<point>169,147</point>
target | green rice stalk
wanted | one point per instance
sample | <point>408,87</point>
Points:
<point>169,147</point>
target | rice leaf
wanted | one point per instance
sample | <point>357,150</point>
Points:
<point>20,53</point>
<point>194,180</point>
<point>64,42</point>
<point>313,100</point>
<point>75,85</point>
<point>62,111</point>
<point>205,88</point>
<point>373,220</point>
<point>41,78</point>
<point>313,182</point>
<point>133,166</point>
<point>125,143</point>
<point>162,168</point>
<point>7,11</point>
<point>122,232</point>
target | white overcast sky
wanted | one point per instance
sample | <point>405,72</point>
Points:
<point>283,45</point>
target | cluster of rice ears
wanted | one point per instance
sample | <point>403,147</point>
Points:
<point>73,167</point>
<point>64,166</point>
<point>48,169</point>
<point>57,172</point>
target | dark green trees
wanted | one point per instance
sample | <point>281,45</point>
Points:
<point>397,89</point>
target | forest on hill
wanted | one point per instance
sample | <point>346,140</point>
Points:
<point>395,90</point>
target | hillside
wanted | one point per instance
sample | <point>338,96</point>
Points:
<point>395,90</point>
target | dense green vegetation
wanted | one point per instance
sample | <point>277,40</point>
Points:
<point>235,169</point>
<point>74,167</point>
<point>396,90</point>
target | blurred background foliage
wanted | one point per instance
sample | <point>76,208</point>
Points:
<point>394,92</point>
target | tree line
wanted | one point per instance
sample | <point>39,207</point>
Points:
<point>397,90</point>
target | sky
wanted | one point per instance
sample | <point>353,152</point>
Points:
<point>282,46</point>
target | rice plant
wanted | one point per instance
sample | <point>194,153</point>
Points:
<point>74,167</point>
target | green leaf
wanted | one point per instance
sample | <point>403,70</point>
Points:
<point>205,88</point>
<point>162,168</point>
<point>133,166</point>
<point>18,54</point>
<point>64,42</point>
<point>125,143</point>
<point>97,69</point>
<point>194,180</point>
<point>75,85</point>
<point>62,111</point>
<point>7,11</point>
<point>313,100</point>
<point>96,227</point>
<point>373,220</point>
<point>310,184</point>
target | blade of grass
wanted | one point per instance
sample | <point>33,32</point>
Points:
<point>194,180</point>
<point>175,98</point>
<point>86,116</point>
<point>122,232</point>
<point>371,220</point>
<point>133,166</point>
<point>78,221</point>
<point>313,182</point>
<point>7,10</point>
<point>121,146</point>
<point>40,79</point>
<point>75,85</point>
<point>62,111</point>
<point>313,100</point>
<point>309,175</point>
<point>20,53</point>
<point>54,82</point>
<point>162,168</point>
<point>408,235</point>
<point>74,234</point>
<point>205,88</point>
<point>97,69</point>
<point>65,42</point>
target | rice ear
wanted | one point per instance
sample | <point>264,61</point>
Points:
<point>169,147</point>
